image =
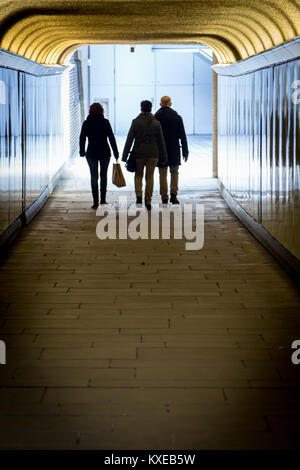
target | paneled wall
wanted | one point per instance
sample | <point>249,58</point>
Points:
<point>43,133</point>
<point>39,125</point>
<point>259,147</point>
<point>202,95</point>
<point>11,124</point>
<point>120,80</point>
<point>74,117</point>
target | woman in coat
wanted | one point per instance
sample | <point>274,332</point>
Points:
<point>149,149</point>
<point>98,129</point>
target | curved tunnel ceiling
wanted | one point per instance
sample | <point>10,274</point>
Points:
<point>46,31</point>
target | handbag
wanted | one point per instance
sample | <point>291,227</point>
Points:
<point>117,176</point>
<point>131,162</point>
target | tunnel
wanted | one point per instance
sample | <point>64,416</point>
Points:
<point>115,336</point>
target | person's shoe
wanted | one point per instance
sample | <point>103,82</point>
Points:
<point>103,197</point>
<point>139,200</point>
<point>95,199</point>
<point>173,199</point>
<point>164,201</point>
<point>148,207</point>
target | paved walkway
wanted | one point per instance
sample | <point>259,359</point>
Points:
<point>140,344</point>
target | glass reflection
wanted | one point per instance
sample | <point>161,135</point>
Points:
<point>259,148</point>
<point>32,146</point>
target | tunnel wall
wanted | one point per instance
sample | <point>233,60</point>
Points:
<point>259,147</point>
<point>39,127</point>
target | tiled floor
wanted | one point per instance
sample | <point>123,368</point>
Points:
<point>123,344</point>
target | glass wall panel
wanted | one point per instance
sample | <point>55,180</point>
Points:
<point>44,133</point>
<point>35,137</point>
<point>280,191</point>
<point>258,121</point>
<point>11,83</point>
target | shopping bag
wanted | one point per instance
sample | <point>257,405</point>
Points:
<point>117,176</point>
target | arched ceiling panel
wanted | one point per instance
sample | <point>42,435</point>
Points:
<point>47,30</point>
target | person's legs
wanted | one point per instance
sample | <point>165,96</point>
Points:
<point>138,177</point>
<point>163,183</point>
<point>174,179</point>
<point>104,162</point>
<point>150,167</point>
<point>93,165</point>
<point>174,184</point>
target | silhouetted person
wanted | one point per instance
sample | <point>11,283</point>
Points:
<point>173,130</point>
<point>149,149</point>
<point>98,129</point>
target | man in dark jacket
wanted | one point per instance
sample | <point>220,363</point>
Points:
<point>149,150</point>
<point>173,130</point>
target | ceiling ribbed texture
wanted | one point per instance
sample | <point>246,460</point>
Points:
<point>47,31</point>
